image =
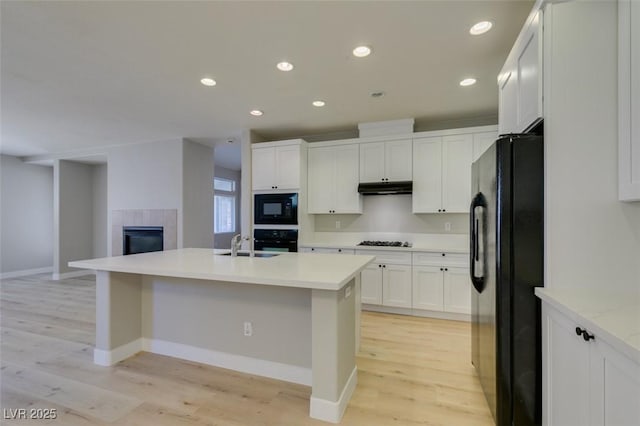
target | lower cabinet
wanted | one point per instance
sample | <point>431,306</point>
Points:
<point>327,250</point>
<point>371,285</point>
<point>442,289</point>
<point>585,380</point>
<point>386,285</point>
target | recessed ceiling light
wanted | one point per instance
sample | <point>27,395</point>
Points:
<point>284,66</point>
<point>361,51</point>
<point>208,81</point>
<point>318,103</point>
<point>256,112</point>
<point>480,28</point>
<point>468,82</point>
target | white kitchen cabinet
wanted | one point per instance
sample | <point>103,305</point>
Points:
<point>441,282</point>
<point>275,165</point>
<point>520,81</point>
<point>629,100</point>
<point>457,290</point>
<point>442,174</point>
<point>330,250</point>
<point>385,161</point>
<point>333,179</point>
<point>371,285</point>
<point>481,142</point>
<point>585,382</point>
<point>428,288</point>
<point>396,285</point>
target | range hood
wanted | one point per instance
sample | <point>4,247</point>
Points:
<point>383,188</point>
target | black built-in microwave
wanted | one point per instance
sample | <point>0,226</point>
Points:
<point>275,209</point>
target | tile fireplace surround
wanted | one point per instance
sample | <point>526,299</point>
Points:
<point>168,219</point>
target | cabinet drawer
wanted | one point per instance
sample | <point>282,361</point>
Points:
<point>390,257</point>
<point>440,259</point>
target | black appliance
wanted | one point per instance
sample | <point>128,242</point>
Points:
<point>385,243</point>
<point>506,265</point>
<point>385,188</point>
<point>142,239</point>
<point>283,240</point>
<point>275,209</point>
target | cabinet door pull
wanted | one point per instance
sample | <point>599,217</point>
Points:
<point>586,336</point>
<point>579,331</point>
<point>446,269</point>
<point>384,266</point>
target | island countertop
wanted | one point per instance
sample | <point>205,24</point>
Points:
<point>301,270</point>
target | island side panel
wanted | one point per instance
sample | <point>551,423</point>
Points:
<point>333,345</point>
<point>203,321</point>
<point>118,316</point>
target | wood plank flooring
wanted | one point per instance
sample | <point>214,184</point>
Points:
<point>411,371</point>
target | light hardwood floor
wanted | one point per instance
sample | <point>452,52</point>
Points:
<point>411,371</point>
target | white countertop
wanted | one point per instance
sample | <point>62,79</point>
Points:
<point>302,270</point>
<point>615,317</point>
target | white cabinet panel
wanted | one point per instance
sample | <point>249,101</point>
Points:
<point>457,290</point>
<point>508,102</point>
<point>372,162</point>
<point>396,285</point>
<point>329,250</point>
<point>385,161</point>
<point>333,180</point>
<point>629,100</point>
<point>427,175</point>
<point>620,388</point>
<point>275,167</point>
<point>398,161</point>
<point>428,290</point>
<point>456,173</point>
<point>481,142</point>
<point>371,285</point>
<point>529,88</point>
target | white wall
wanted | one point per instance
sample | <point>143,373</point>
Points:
<point>592,240</point>
<point>100,210</point>
<point>73,214</point>
<point>26,212</point>
<point>223,240</point>
<point>197,195</point>
<point>392,213</point>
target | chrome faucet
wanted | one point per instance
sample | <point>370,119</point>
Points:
<point>236,244</point>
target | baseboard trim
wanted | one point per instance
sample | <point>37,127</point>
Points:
<point>65,275</point>
<point>109,358</point>
<point>244,364</point>
<point>25,272</point>
<point>417,312</point>
<point>330,411</point>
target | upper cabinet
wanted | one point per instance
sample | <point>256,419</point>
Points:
<point>629,100</point>
<point>276,165</point>
<point>482,141</point>
<point>442,174</point>
<point>385,161</point>
<point>333,179</point>
<point>520,81</point>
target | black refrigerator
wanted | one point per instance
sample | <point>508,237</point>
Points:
<point>506,264</point>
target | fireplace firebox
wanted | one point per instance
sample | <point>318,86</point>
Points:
<point>142,239</point>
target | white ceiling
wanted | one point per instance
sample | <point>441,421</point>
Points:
<point>77,75</point>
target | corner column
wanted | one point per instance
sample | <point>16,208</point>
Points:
<point>118,317</point>
<point>334,373</point>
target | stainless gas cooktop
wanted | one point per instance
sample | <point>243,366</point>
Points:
<point>385,243</point>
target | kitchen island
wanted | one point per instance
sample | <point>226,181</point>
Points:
<point>292,317</point>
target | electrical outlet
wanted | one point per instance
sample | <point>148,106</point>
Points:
<point>347,292</point>
<point>248,329</point>
<point>337,224</point>
<point>447,226</point>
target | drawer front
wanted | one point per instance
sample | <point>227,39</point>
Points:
<point>390,257</point>
<point>328,250</point>
<point>440,259</point>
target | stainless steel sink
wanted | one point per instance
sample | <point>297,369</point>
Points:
<point>245,254</point>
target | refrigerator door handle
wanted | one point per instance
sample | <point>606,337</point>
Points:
<point>476,214</point>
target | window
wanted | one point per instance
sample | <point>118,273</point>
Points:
<point>224,205</point>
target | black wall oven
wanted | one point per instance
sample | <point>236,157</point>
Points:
<point>275,209</point>
<point>284,240</point>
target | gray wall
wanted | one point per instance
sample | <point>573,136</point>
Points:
<point>146,176</point>
<point>100,210</point>
<point>223,240</point>
<point>197,195</point>
<point>73,213</point>
<point>592,239</point>
<point>26,211</point>
<point>392,213</point>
